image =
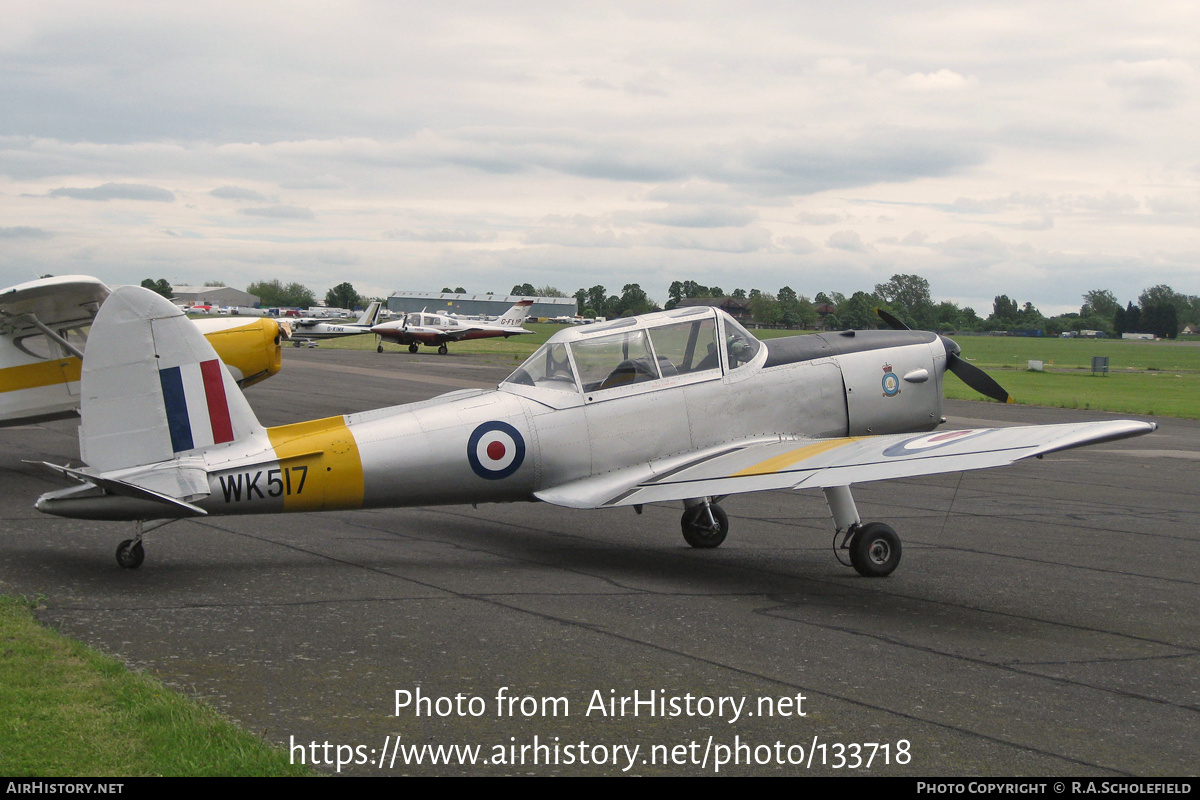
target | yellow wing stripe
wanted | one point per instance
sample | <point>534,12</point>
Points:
<point>785,460</point>
<point>328,454</point>
<point>41,373</point>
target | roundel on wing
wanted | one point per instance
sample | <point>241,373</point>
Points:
<point>495,450</point>
<point>930,441</point>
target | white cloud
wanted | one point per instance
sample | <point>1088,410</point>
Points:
<point>940,81</point>
<point>279,212</point>
<point>239,193</point>
<point>116,191</point>
<point>1154,84</point>
<point>604,144</point>
<point>849,241</point>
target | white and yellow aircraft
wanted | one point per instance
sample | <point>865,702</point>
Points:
<point>312,328</point>
<point>681,405</point>
<point>43,331</point>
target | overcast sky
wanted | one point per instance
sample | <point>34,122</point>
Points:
<point>1033,149</point>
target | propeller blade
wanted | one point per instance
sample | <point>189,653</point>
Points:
<point>976,378</point>
<point>892,322</point>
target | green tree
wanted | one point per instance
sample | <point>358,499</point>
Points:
<point>633,300</point>
<point>161,286</point>
<point>344,296</point>
<point>910,292</point>
<point>765,310</point>
<point>597,300</point>
<point>1161,307</point>
<point>275,293</point>
<point>1030,317</point>
<point>524,290</point>
<point>858,312</point>
<point>1004,312</point>
<point>1099,303</point>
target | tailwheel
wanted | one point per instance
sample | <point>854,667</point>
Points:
<point>704,525</point>
<point>130,554</point>
<point>875,550</point>
<point>443,350</point>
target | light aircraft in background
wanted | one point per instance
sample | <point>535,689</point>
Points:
<point>43,331</point>
<point>682,405</point>
<point>424,328</point>
<point>310,328</point>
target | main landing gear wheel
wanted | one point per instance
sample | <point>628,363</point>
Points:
<point>443,350</point>
<point>412,348</point>
<point>130,554</point>
<point>379,348</point>
<point>701,531</point>
<point>875,550</point>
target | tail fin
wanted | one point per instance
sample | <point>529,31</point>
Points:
<point>516,315</point>
<point>371,316</point>
<point>152,386</point>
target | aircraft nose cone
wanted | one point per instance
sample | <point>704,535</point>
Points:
<point>952,348</point>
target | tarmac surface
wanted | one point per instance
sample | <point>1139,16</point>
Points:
<point>1043,621</point>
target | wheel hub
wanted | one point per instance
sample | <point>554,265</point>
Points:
<point>879,551</point>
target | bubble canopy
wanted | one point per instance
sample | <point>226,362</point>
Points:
<point>682,345</point>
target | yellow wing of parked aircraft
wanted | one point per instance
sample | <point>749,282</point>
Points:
<point>43,332</point>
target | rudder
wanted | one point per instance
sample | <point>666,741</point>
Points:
<point>152,386</point>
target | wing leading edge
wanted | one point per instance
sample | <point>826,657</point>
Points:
<point>820,463</point>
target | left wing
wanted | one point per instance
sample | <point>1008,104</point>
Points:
<point>799,463</point>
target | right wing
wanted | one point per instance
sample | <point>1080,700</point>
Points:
<point>799,463</point>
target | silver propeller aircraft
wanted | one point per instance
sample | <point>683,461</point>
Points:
<point>681,405</point>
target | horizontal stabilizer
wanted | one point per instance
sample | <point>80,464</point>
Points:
<point>174,506</point>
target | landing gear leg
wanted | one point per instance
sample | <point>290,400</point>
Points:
<point>705,524</point>
<point>130,553</point>
<point>874,547</point>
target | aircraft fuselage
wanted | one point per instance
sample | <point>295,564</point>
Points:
<point>506,444</point>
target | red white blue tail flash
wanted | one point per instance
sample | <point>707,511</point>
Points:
<point>196,405</point>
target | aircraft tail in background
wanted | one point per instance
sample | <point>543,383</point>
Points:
<point>515,316</point>
<point>371,316</point>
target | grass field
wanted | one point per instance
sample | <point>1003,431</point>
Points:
<point>66,711</point>
<point>1159,378</point>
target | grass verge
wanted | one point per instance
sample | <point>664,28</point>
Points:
<point>1164,394</point>
<point>68,711</point>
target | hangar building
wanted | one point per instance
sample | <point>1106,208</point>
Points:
<point>213,296</point>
